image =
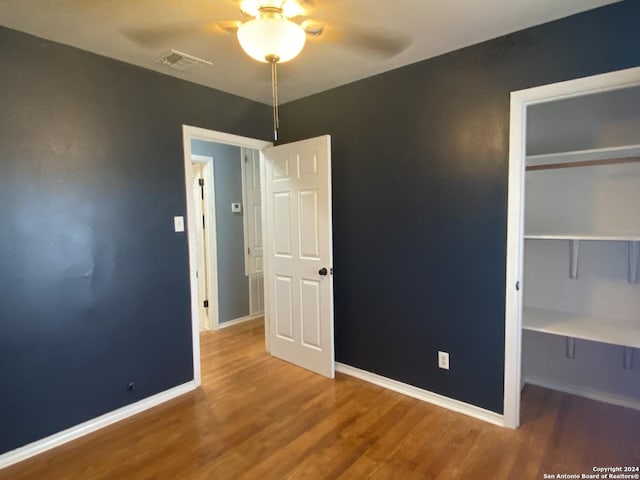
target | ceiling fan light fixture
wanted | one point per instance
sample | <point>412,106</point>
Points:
<point>269,37</point>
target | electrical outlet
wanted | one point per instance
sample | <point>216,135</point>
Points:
<point>443,360</point>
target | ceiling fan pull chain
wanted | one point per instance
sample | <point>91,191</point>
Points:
<point>274,88</point>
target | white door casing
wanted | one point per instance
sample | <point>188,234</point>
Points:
<point>298,244</point>
<point>201,251</point>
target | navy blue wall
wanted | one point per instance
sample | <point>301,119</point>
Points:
<point>94,287</point>
<point>419,195</point>
<point>233,284</point>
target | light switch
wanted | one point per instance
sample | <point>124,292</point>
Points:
<point>178,223</point>
<point>236,208</point>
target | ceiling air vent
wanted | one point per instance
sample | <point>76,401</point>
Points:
<point>180,61</point>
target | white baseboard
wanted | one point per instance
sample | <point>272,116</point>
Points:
<point>73,433</point>
<point>585,392</point>
<point>237,321</point>
<point>424,395</point>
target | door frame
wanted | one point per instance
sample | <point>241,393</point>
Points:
<point>196,133</point>
<point>520,101</point>
<point>211,244</point>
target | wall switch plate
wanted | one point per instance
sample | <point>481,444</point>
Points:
<point>178,224</point>
<point>236,208</point>
<point>443,360</point>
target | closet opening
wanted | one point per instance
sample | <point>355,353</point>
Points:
<point>573,297</point>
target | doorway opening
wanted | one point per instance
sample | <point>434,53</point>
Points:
<point>573,238</point>
<point>227,226</point>
<point>284,241</point>
<point>207,285</point>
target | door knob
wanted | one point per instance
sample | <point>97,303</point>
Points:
<point>322,271</point>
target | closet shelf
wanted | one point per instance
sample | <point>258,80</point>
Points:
<point>621,332</point>
<point>583,236</point>
<point>584,158</point>
<point>574,249</point>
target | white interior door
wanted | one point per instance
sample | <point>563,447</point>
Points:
<point>252,211</point>
<point>253,229</point>
<point>299,253</point>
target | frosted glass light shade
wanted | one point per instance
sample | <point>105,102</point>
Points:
<point>264,37</point>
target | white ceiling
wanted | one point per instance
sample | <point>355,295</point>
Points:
<point>432,26</point>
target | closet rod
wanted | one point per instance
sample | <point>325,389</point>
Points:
<point>584,163</point>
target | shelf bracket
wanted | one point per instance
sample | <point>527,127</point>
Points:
<point>570,348</point>
<point>574,253</point>
<point>634,254</point>
<point>627,358</point>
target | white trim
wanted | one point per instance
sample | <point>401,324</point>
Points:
<point>266,267</point>
<point>210,239</point>
<point>424,395</point>
<point>73,433</point>
<point>193,281</point>
<point>584,392</point>
<point>520,100</point>
<point>238,321</point>
<point>197,133</point>
<point>245,214</point>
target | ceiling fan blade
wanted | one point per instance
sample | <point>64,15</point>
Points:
<point>229,26</point>
<point>374,42</point>
<point>164,35</point>
<point>313,28</point>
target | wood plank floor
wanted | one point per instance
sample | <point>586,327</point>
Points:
<point>257,417</point>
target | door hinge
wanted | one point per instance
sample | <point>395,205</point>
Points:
<point>331,271</point>
<point>246,158</point>
<point>201,182</point>
<point>203,223</point>
<point>248,251</point>
<point>206,304</point>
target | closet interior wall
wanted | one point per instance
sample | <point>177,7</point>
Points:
<point>582,203</point>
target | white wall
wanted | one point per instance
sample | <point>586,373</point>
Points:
<point>603,199</point>
<point>594,121</point>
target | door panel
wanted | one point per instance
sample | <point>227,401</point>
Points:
<point>310,300</point>
<point>253,212</point>
<point>298,227</point>
<point>309,240</point>
<point>256,292</point>
<point>284,308</point>
<point>282,219</point>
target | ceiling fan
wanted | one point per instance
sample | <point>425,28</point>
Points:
<point>276,31</point>
<point>273,35</point>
